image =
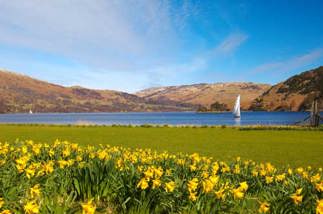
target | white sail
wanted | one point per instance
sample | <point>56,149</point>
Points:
<point>30,111</point>
<point>236,109</point>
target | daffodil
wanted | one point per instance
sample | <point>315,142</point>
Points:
<point>192,185</point>
<point>315,178</point>
<point>299,191</point>
<point>270,168</point>
<point>30,171</point>
<point>319,186</point>
<point>74,146</point>
<point>36,148</point>
<point>180,162</point>
<point>205,174</point>
<point>305,175</point>
<point>263,172</point>
<point>238,193</point>
<point>280,177</point>
<point>215,168</point>
<point>62,163</point>
<point>269,179</point>
<point>24,149</point>
<point>220,194</point>
<point>255,173</point>
<point>225,168</point>
<point>319,207</point>
<point>51,153</point>
<point>192,196</point>
<point>158,172</point>
<point>35,191</point>
<point>168,172</point>
<point>207,186</point>
<point>170,186</point>
<point>296,197</point>
<point>236,169</point>
<point>195,158</point>
<point>102,155</point>
<point>156,183</point>
<point>48,167</point>
<point>300,170</point>
<point>244,186</point>
<point>1,202</point>
<point>88,208</point>
<point>193,167</point>
<point>264,207</point>
<point>149,173</point>
<point>143,184</point>
<point>21,163</point>
<point>5,212</point>
<point>31,207</point>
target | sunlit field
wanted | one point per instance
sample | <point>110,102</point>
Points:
<point>280,147</point>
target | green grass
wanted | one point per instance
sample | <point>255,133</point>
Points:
<point>286,147</point>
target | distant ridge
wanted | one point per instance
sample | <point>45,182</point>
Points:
<point>20,93</point>
<point>207,94</point>
<point>294,94</point>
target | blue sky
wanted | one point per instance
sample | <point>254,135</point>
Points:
<point>130,45</point>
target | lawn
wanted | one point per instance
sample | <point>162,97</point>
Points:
<point>289,147</point>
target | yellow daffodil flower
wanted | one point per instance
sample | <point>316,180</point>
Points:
<point>264,207</point>
<point>170,186</point>
<point>319,207</point>
<point>88,208</point>
<point>31,207</point>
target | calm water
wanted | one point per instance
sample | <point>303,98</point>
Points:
<point>175,118</point>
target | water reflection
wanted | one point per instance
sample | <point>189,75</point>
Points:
<point>237,121</point>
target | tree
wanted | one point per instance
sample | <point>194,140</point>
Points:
<point>202,109</point>
<point>218,106</point>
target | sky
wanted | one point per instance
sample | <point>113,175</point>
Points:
<point>129,45</point>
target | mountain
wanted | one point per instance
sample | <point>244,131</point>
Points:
<point>20,93</point>
<point>206,94</point>
<point>294,94</point>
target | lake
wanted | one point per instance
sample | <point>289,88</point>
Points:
<point>173,118</point>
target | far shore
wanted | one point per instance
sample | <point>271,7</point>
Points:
<point>117,112</point>
<point>239,127</point>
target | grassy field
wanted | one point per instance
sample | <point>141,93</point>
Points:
<point>289,147</point>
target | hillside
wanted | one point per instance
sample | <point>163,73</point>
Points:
<point>19,93</point>
<point>294,94</point>
<point>206,94</point>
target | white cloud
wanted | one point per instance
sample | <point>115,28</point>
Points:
<point>289,64</point>
<point>112,39</point>
<point>231,43</point>
<point>113,34</point>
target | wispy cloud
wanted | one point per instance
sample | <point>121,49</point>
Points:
<point>142,38</point>
<point>198,63</point>
<point>289,64</point>
<point>231,43</point>
<point>109,34</point>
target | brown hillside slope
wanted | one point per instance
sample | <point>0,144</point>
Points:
<point>19,93</point>
<point>206,94</point>
<point>294,94</point>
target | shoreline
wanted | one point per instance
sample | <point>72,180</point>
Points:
<point>143,112</point>
<point>239,127</point>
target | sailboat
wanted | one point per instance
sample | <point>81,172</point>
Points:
<point>236,109</point>
<point>30,111</point>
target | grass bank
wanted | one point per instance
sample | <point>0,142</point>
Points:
<point>293,147</point>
